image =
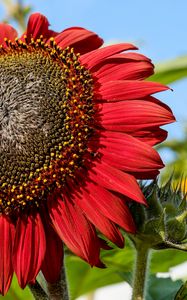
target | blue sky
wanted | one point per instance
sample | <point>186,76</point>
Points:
<point>157,27</point>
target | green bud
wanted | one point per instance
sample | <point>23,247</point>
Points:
<point>163,223</point>
<point>177,228</point>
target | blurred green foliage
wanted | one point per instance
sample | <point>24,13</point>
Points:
<point>16,11</point>
<point>84,279</point>
<point>170,71</point>
<point>182,293</point>
<point>162,288</point>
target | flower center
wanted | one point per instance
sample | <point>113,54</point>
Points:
<point>46,118</point>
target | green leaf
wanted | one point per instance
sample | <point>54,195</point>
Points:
<point>182,293</point>
<point>170,71</point>
<point>163,260</point>
<point>162,288</point>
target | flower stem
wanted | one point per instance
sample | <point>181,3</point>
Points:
<point>58,290</point>
<point>140,271</point>
<point>37,291</point>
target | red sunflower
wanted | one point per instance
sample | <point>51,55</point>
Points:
<point>77,126</point>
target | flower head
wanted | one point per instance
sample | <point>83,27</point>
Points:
<point>77,126</point>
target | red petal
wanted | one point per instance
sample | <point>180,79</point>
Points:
<point>82,40</point>
<point>53,260</point>
<point>152,137</point>
<point>110,206</point>
<point>122,58</point>
<point>127,90</point>
<point>29,248</point>
<point>38,25</point>
<point>128,153</point>
<point>116,180</point>
<point>152,174</point>
<point>74,229</point>
<point>95,57</point>
<point>107,227</point>
<point>7,31</point>
<point>7,232</point>
<point>131,116</point>
<point>123,70</point>
<point>105,246</point>
<point>131,56</point>
<point>160,103</point>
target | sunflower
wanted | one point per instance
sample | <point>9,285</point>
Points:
<point>77,126</point>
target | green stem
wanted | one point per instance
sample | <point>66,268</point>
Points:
<point>140,271</point>
<point>37,291</point>
<point>58,290</point>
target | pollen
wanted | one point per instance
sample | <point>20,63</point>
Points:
<point>46,120</point>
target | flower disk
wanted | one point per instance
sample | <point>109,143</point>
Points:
<point>46,115</point>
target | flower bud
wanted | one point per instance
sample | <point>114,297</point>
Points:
<point>163,223</point>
